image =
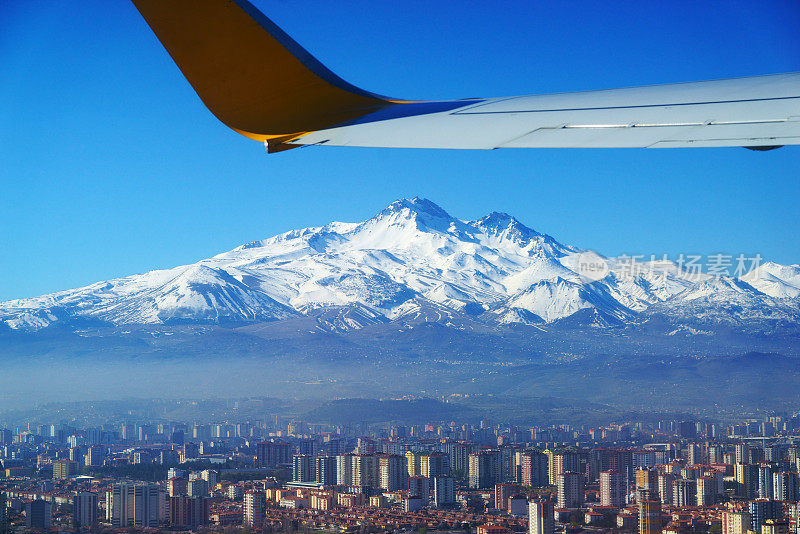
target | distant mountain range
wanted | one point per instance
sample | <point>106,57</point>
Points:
<point>414,263</point>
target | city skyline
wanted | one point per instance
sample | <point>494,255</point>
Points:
<point>650,473</point>
<point>199,336</point>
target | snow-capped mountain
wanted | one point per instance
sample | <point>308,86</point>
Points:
<point>730,302</point>
<point>779,281</point>
<point>414,262</point>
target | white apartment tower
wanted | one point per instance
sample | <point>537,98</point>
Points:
<point>541,517</point>
<point>254,503</point>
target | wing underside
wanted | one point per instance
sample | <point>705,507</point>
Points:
<point>262,84</point>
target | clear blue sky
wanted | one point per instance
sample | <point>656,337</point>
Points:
<point>110,165</point>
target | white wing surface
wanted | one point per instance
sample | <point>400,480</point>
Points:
<point>761,111</point>
<point>262,84</point>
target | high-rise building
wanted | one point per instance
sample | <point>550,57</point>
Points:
<point>644,459</point>
<point>188,512</point>
<point>541,517</point>
<point>365,445</point>
<point>570,489</point>
<point>684,492</point>
<point>719,478</point>
<point>771,526</point>
<point>706,491</point>
<point>534,468</point>
<point>665,491</point>
<point>235,492</point>
<point>302,468</point>
<point>210,476</point>
<point>254,503</point>
<point>715,454</point>
<point>444,491</point>
<point>38,515</point>
<point>391,472</point>
<point>414,463</point>
<point>689,473</point>
<point>741,450</point>
<point>344,469</point>
<point>735,522</point>
<point>76,454</point>
<point>612,489</point>
<point>763,509</point>
<point>177,486</point>
<point>460,458</point>
<point>365,470</point>
<point>612,460</point>
<point>84,510</point>
<point>508,470</point>
<point>765,481</point>
<point>63,469</point>
<point>273,453</point>
<point>484,469</point>
<point>786,487</point>
<point>647,479</point>
<point>133,505</point>
<point>334,446</point>
<point>197,488</point>
<point>94,456</point>
<point>562,461</point>
<point>168,457</point>
<point>189,451</point>
<point>177,437</point>
<point>746,476</point>
<point>694,454</point>
<point>201,432</point>
<point>174,472</point>
<point>307,446</point>
<point>502,492</point>
<point>419,487</point>
<point>649,517</point>
<point>433,465</point>
<point>325,471</point>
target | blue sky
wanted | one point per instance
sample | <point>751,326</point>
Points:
<point>110,165</point>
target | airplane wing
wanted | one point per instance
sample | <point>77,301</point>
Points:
<point>258,81</point>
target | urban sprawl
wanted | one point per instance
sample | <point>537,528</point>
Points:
<point>667,476</point>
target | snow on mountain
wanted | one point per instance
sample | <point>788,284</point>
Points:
<point>412,262</point>
<point>638,284</point>
<point>345,318</point>
<point>728,301</point>
<point>193,293</point>
<point>553,300</point>
<point>775,280</point>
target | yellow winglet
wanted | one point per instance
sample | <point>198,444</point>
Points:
<point>250,74</point>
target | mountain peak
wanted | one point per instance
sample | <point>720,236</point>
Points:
<point>500,220</point>
<point>418,206</point>
<point>418,213</point>
<point>499,216</point>
<point>501,226</point>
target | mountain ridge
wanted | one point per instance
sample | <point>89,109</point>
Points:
<point>413,261</point>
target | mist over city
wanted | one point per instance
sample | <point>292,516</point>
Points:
<point>242,291</point>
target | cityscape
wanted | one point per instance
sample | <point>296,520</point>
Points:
<point>447,314</point>
<point>279,473</point>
